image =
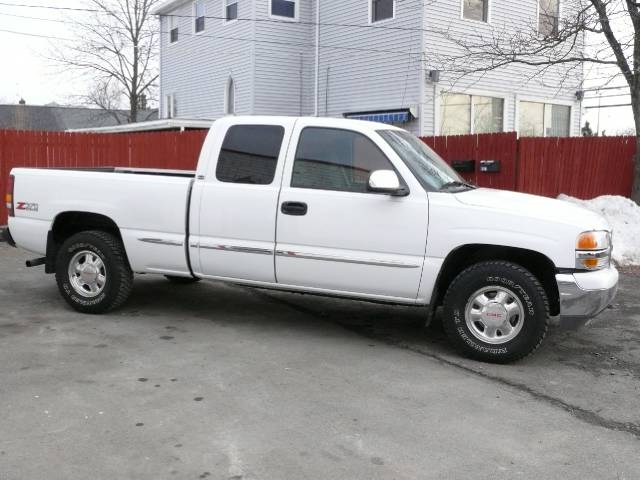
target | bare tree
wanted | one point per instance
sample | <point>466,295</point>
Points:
<point>601,34</point>
<point>116,47</point>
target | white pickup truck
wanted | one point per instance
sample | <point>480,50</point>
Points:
<point>326,206</point>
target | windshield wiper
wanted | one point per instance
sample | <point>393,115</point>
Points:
<point>456,184</point>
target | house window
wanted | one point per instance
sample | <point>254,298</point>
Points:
<point>171,106</point>
<point>475,10</point>
<point>332,159</point>
<point>249,154</point>
<point>173,29</point>
<point>382,10</point>
<point>548,13</point>
<point>230,10</point>
<point>230,97</point>
<point>463,114</point>
<point>284,8</point>
<point>538,119</point>
<point>199,14</point>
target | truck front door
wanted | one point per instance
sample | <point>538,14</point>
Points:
<point>333,234</point>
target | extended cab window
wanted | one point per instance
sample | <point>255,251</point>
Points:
<point>250,154</point>
<point>333,159</point>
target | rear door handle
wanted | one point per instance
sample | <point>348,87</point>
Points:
<point>298,209</point>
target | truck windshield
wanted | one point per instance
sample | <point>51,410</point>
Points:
<point>430,170</point>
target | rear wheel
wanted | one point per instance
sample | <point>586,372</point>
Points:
<point>181,280</point>
<point>496,312</point>
<point>92,272</point>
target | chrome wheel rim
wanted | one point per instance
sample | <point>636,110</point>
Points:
<point>87,274</point>
<point>494,315</point>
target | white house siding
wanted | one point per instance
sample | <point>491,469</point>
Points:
<point>371,68</point>
<point>283,50</point>
<point>514,83</point>
<point>380,66</point>
<point>197,67</point>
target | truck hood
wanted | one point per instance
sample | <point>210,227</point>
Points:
<point>533,206</point>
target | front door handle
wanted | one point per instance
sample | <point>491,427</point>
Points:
<point>298,209</point>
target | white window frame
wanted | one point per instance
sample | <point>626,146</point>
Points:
<point>169,105</point>
<point>472,93</point>
<point>296,10</point>
<point>230,82</point>
<point>195,18</point>
<point>225,4</point>
<point>488,21</point>
<point>378,22</point>
<point>546,101</point>
<point>170,22</point>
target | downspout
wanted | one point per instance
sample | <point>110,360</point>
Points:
<point>317,93</point>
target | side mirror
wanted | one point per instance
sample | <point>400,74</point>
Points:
<point>386,181</point>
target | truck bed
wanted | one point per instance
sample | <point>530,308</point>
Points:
<point>149,206</point>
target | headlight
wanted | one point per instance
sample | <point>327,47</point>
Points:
<point>593,250</point>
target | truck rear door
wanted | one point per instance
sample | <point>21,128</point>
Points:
<point>233,236</point>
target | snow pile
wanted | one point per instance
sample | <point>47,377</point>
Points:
<point>624,217</point>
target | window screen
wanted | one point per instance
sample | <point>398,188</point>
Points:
<point>475,10</point>
<point>332,159</point>
<point>381,10</point>
<point>557,120</point>
<point>173,29</point>
<point>199,14</point>
<point>544,120</point>
<point>250,154</point>
<point>548,17</point>
<point>283,8</point>
<point>462,114</point>
<point>231,10</point>
<point>488,114</point>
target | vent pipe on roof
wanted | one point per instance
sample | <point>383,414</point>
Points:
<point>22,101</point>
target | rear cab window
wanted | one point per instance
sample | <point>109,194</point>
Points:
<point>249,154</point>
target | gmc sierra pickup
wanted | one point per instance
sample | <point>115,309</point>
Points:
<point>325,206</point>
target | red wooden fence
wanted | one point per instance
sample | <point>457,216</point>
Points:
<point>495,146</point>
<point>581,167</point>
<point>174,150</point>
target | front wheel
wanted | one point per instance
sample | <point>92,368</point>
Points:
<point>496,312</point>
<point>92,272</point>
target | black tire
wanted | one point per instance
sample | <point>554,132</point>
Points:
<point>118,275</point>
<point>511,278</point>
<point>181,280</point>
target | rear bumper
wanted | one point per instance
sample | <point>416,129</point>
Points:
<point>5,236</point>
<point>585,295</point>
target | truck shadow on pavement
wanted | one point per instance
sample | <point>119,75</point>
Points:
<point>592,373</point>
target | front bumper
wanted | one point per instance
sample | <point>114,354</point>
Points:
<point>5,236</point>
<point>584,295</point>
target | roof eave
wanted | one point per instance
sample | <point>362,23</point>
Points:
<point>167,7</point>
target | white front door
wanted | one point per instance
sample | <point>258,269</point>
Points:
<point>333,234</point>
<point>238,201</point>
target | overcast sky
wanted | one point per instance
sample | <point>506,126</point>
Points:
<point>26,72</point>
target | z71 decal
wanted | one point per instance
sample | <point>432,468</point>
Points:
<point>30,207</point>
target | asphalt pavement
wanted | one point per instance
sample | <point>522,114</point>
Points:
<point>225,382</point>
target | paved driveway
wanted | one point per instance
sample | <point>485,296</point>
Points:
<point>220,382</point>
